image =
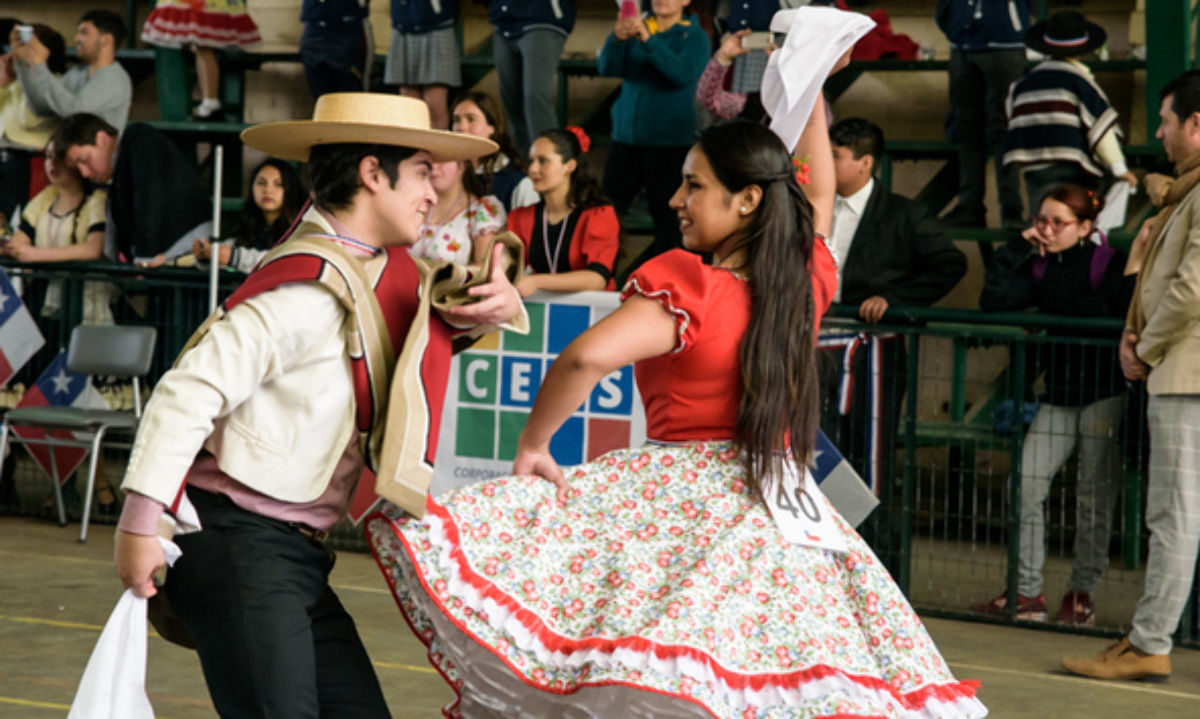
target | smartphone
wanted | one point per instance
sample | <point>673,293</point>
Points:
<point>629,8</point>
<point>25,32</point>
<point>757,41</point>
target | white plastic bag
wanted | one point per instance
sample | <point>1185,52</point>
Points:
<point>113,685</point>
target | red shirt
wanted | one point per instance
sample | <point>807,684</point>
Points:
<point>693,392</point>
<point>592,245</point>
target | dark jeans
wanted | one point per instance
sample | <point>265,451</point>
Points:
<point>979,84</point>
<point>334,57</point>
<point>273,639</point>
<point>527,68</point>
<point>1039,182</point>
<point>631,168</point>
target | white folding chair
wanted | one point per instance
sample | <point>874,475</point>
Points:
<point>116,350</point>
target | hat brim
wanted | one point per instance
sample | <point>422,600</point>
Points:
<point>293,139</point>
<point>1036,38</point>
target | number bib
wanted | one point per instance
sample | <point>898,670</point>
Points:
<point>801,513</point>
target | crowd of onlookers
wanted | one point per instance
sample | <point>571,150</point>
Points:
<point>90,185</point>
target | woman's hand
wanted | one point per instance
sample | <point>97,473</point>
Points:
<point>731,47</point>
<point>527,286</point>
<point>537,460</point>
<point>202,249</point>
<point>1034,236</point>
<point>1130,178</point>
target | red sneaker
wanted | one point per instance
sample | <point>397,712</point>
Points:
<point>1031,609</point>
<point>1077,608</point>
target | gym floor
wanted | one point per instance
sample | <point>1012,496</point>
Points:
<point>56,595</point>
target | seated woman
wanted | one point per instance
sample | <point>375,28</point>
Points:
<point>1063,266</point>
<point>572,236</point>
<point>63,223</point>
<point>463,221</point>
<point>272,203</point>
<point>502,173</point>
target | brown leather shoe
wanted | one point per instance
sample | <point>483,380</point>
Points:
<point>1122,660</point>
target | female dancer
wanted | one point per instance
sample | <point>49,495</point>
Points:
<point>1062,265</point>
<point>572,236</point>
<point>655,582</point>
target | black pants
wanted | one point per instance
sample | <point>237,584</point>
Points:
<point>14,181</point>
<point>978,89</point>
<point>273,639</point>
<point>631,168</point>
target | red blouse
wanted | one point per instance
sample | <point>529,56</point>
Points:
<point>693,392</point>
<point>593,244</point>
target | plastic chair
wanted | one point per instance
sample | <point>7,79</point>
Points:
<point>120,351</point>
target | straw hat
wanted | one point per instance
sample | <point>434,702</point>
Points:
<point>365,117</point>
<point>1065,34</point>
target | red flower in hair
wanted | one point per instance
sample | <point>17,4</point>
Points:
<point>801,167</point>
<point>585,142</point>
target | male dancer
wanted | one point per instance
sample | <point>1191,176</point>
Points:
<point>265,423</point>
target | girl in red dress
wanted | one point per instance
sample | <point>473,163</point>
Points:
<point>572,236</point>
<point>654,581</point>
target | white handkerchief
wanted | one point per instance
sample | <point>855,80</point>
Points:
<point>816,38</point>
<point>1116,205</point>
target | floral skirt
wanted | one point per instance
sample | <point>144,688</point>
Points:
<point>206,23</point>
<point>660,589</point>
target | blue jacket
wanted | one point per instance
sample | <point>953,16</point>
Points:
<point>753,14</point>
<point>974,25</point>
<point>655,105</point>
<point>333,12</point>
<point>513,18</point>
<point>417,16</point>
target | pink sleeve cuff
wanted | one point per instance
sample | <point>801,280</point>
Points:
<point>140,515</point>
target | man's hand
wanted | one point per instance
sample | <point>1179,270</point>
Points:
<point>539,462</point>
<point>1132,366</point>
<point>872,309</point>
<point>137,556</point>
<point>32,52</point>
<point>499,301</point>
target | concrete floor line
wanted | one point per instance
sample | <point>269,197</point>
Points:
<point>362,588</point>
<point>51,622</point>
<point>405,667</point>
<point>1126,686</point>
<point>33,704</point>
<point>60,558</point>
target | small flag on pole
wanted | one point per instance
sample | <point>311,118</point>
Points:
<point>20,338</point>
<point>59,387</point>
<point>840,484</point>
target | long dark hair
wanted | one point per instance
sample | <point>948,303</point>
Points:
<point>585,188</point>
<point>252,229</point>
<point>778,407</point>
<point>491,112</point>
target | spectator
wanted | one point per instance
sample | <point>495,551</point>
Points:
<point>1061,127</point>
<point>529,39</point>
<point>1161,344</point>
<point>337,46</point>
<point>573,211</point>
<point>659,61</point>
<point>97,85</point>
<point>1063,265</point>
<point>712,89</point>
<point>987,54</point>
<point>204,26</point>
<point>424,55</point>
<point>464,220</point>
<point>272,203</point>
<point>888,251</point>
<point>155,202</point>
<point>503,172</point>
<point>23,132</point>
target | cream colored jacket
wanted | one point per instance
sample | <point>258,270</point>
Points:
<point>19,124</point>
<point>1170,297</point>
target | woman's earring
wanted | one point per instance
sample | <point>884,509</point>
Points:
<point>745,210</point>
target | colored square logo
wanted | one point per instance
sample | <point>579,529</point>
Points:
<point>511,424</point>
<point>566,446</point>
<point>566,323</point>
<point>477,378</point>
<point>613,394</point>
<point>475,434</point>
<point>520,378</point>
<point>605,435</point>
<point>531,342</point>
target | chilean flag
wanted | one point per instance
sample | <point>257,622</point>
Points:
<point>19,335</point>
<point>59,387</point>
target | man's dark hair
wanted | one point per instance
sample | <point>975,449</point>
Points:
<point>108,23</point>
<point>333,170</point>
<point>54,42</point>
<point>1186,91</point>
<point>863,137</point>
<point>79,129</point>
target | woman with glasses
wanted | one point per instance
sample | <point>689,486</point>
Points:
<point>1063,265</point>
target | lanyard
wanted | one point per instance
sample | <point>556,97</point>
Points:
<point>351,242</point>
<point>562,232</point>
